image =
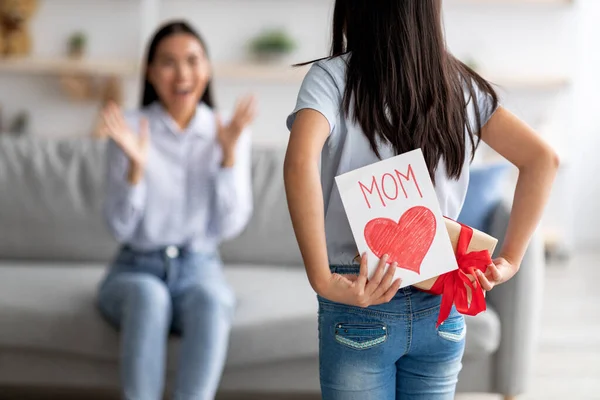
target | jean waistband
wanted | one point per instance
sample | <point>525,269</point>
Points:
<point>346,269</point>
<point>168,251</point>
<point>354,269</point>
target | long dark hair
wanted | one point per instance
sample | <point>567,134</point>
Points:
<point>172,28</point>
<point>405,87</point>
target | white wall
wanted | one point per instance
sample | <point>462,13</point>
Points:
<point>532,40</point>
<point>225,32</point>
<point>511,39</point>
<point>505,38</point>
<point>584,185</point>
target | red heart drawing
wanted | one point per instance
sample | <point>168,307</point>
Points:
<point>407,241</point>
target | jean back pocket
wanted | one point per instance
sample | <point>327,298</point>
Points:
<point>453,329</point>
<point>360,336</point>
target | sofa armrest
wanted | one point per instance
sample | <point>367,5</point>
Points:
<point>519,306</point>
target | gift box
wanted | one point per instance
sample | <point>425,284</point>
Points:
<point>473,250</point>
<point>479,241</point>
<point>393,208</point>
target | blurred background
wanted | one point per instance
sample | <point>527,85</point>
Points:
<point>543,55</point>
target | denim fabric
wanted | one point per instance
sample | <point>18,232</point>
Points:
<point>389,351</point>
<point>151,294</point>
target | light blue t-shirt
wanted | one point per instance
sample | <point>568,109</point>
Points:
<point>347,149</point>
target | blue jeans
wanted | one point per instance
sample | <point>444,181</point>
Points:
<point>389,351</point>
<point>149,295</point>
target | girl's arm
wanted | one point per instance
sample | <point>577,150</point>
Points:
<point>537,164</point>
<point>305,195</point>
<point>305,201</point>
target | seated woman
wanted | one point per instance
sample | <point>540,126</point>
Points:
<point>178,184</point>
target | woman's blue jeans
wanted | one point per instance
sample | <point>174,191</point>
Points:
<point>148,295</point>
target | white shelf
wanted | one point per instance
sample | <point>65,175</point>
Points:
<point>287,74</point>
<point>62,66</point>
<point>234,72</point>
<point>529,82</point>
<point>226,71</point>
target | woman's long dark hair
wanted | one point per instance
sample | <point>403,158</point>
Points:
<point>172,28</point>
<point>405,87</point>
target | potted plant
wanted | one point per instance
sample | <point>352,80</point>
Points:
<point>77,44</point>
<point>272,45</point>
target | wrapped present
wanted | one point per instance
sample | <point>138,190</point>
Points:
<point>460,287</point>
<point>392,208</point>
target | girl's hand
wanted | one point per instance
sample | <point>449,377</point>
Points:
<point>497,273</point>
<point>134,146</point>
<point>229,134</point>
<point>360,291</point>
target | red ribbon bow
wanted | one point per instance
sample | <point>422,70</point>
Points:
<point>453,285</point>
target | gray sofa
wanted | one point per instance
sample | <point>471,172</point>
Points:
<point>54,249</point>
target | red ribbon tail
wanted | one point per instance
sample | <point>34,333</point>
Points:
<point>477,303</point>
<point>454,285</point>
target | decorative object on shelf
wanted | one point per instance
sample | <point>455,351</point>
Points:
<point>77,45</point>
<point>20,124</point>
<point>87,88</point>
<point>112,91</point>
<point>15,35</point>
<point>79,87</point>
<point>272,45</point>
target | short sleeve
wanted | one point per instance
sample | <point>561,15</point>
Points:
<point>319,92</point>
<point>485,105</point>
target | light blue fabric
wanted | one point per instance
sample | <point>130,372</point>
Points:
<point>483,195</point>
<point>347,149</point>
<point>185,198</point>
<point>148,295</point>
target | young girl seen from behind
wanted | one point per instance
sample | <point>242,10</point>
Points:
<point>391,86</point>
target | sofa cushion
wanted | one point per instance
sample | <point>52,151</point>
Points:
<point>485,192</point>
<point>269,236</point>
<point>51,200</point>
<point>53,192</point>
<point>51,308</point>
<point>483,334</point>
